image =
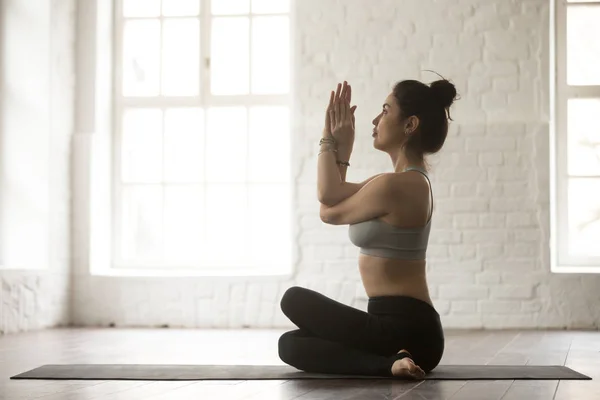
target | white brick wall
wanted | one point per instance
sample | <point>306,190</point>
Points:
<point>34,299</point>
<point>488,259</point>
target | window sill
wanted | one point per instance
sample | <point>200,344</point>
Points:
<point>564,269</point>
<point>227,273</point>
<point>4,268</point>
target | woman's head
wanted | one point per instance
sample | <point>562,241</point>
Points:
<point>415,117</point>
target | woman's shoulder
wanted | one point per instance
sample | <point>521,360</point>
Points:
<point>409,184</point>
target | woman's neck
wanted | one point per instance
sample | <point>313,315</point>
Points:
<point>402,160</point>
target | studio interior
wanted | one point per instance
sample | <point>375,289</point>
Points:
<point>299,199</point>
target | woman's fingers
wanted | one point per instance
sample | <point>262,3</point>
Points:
<point>337,108</point>
<point>328,113</point>
<point>343,102</point>
<point>352,114</point>
<point>339,104</point>
<point>349,94</point>
<point>344,92</point>
<point>348,113</point>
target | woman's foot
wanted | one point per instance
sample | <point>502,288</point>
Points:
<point>406,368</point>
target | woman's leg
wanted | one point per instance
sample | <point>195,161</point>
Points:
<point>328,319</point>
<point>309,353</point>
<point>336,338</point>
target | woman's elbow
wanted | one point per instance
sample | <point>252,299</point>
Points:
<point>325,199</point>
<point>327,216</point>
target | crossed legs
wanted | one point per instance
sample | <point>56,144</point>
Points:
<point>335,338</point>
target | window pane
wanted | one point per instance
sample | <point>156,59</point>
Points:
<point>184,145</point>
<point>584,217</point>
<point>230,7</point>
<point>230,65</point>
<point>181,57</point>
<point>226,142</point>
<point>141,8</point>
<point>226,226</point>
<point>270,55</point>
<point>141,145</point>
<point>269,145</point>
<point>141,224</point>
<point>270,6</point>
<point>583,136</point>
<point>180,8</point>
<point>184,224</point>
<point>583,51</point>
<point>270,225</point>
<point>141,57</point>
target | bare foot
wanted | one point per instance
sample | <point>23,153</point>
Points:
<point>406,368</point>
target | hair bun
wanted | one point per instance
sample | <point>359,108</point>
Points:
<point>444,92</point>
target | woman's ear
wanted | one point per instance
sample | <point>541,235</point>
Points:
<point>412,124</point>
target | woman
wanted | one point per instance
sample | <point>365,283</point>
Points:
<point>389,218</point>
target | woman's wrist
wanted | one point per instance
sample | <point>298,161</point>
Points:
<point>344,151</point>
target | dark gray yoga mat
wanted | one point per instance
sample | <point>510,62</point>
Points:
<point>150,372</point>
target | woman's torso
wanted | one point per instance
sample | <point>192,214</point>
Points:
<point>400,277</point>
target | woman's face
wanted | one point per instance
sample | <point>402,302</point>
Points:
<point>388,130</point>
<point>391,131</point>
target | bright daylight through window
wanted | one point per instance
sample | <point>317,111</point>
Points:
<point>576,136</point>
<point>202,134</point>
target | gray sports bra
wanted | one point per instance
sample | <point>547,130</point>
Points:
<point>378,238</point>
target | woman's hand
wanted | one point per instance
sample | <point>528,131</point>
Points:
<point>339,119</point>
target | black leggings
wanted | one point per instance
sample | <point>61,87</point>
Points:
<point>338,339</point>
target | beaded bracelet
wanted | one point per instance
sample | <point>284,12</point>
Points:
<point>327,140</point>
<point>331,141</point>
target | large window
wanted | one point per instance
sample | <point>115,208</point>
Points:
<point>202,134</point>
<point>575,136</point>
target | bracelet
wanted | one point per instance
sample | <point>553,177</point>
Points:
<point>345,163</point>
<point>327,140</point>
<point>331,141</point>
<point>326,150</point>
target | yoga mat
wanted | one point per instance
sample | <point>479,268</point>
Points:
<point>149,372</point>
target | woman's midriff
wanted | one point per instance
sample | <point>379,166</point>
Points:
<point>389,277</point>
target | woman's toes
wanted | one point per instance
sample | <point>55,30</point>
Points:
<point>415,370</point>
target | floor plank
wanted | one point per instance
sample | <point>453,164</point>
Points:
<point>434,390</point>
<point>531,390</point>
<point>482,390</point>
<point>22,352</point>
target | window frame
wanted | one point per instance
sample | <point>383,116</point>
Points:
<point>205,100</point>
<point>560,93</point>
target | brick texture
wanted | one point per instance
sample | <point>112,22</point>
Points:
<point>488,258</point>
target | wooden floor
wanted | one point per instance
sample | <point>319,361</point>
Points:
<point>22,352</point>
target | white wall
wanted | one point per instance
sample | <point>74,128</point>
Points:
<point>36,103</point>
<point>488,259</point>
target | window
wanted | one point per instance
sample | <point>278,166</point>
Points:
<point>575,144</point>
<point>201,154</point>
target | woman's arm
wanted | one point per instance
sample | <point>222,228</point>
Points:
<point>339,131</point>
<point>370,202</point>
<point>329,176</point>
<point>343,154</point>
<point>332,188</point>
<point>344,191</point>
